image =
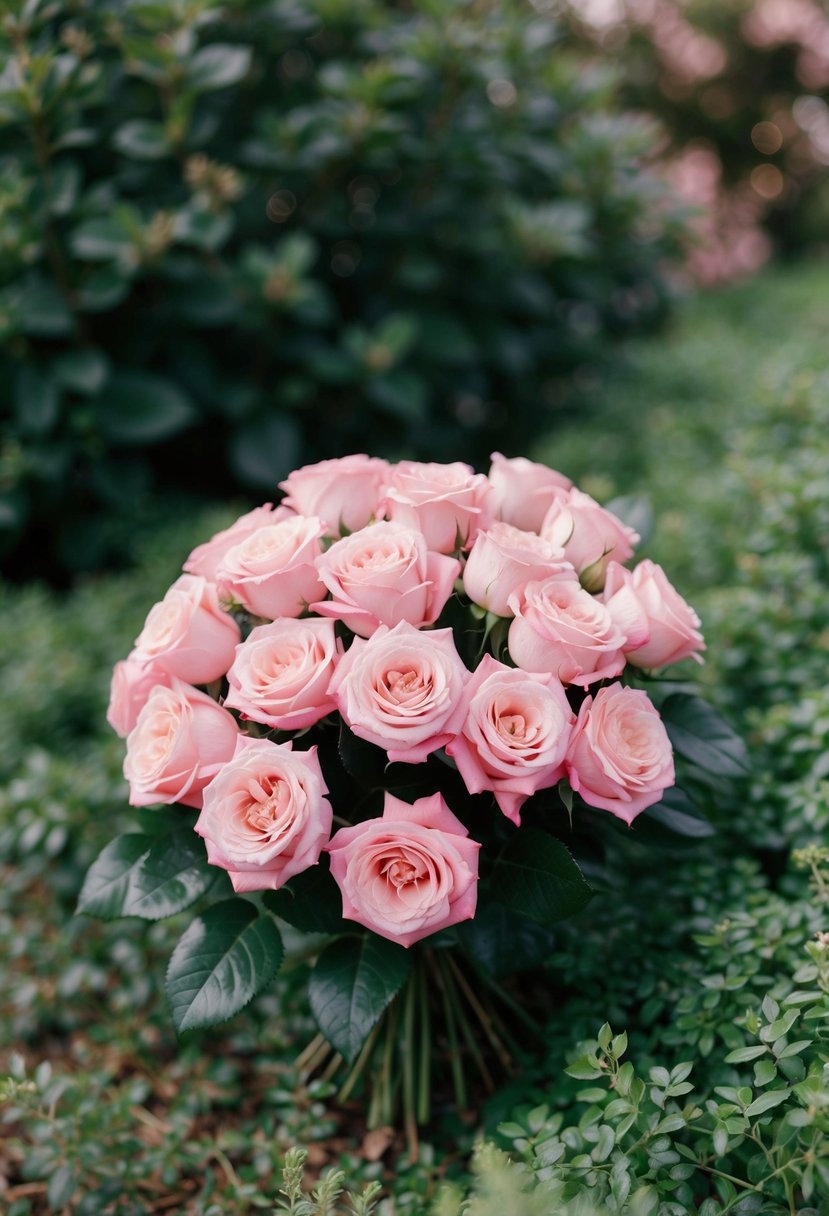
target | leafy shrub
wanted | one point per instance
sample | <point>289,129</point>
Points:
<point>238,236</point>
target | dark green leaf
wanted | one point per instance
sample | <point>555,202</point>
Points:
<point>224,959</point>
<point>767,1101</point>
<point>310,902</point>
<point>142,139</point>
<point>61,1188</point>
<point>218,65</point>
<point>537,877</point>
<point>84,370</point>
<point>677,815</point>
<point>504,942</point>
<point>142,408</point>
<point>264,450</point>
<point>63,187</point>
<point>170,877</point>
<point>43,311</point>
<point>700,735</point>
<point>104,288</point>
<point>108,878</point>
<point>36,399</point>
<point>353,982</point>
<point>101,240</point>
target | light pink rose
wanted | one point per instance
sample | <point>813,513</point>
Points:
<point>665,629</point>
<point>382,575</point>
<point>187,634</point>
<point>590,535</point>
<point>344,493</point>
<point>281,673</point>
<point>180,741</point>
<point>503,560</point>
<point>620,757</point>
<point>408,874</point>
<point>523,490</point>
<point>402,690</point>
<point>448,503</point>
<point>132,683</point>
<point>514,736</point>
<point>272,571</point>
<point>205,559</point>
<point>562,629</point>
<point>265,816</point>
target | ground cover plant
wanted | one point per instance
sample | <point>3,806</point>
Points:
<point>687,963</point>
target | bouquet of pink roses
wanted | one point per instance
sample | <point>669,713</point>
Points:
<point>391,700</point>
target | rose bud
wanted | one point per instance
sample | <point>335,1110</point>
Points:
<point>662,628</point>
<point>590,535</point>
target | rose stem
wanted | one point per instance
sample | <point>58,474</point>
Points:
<point>424,1093</point>
<point>359,1066</point>
<point>465,1028</point>
<point>407,1049</point>
<point>458,1079</point>
<point>304,1059</point>
<point>483,1016</point>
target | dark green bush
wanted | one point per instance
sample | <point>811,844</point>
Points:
<point>236,237</point>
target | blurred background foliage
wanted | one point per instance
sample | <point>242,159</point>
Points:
<point>236,237</point>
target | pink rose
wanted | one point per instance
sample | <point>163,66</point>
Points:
<point>668,627</point>
<point>281,673</point>
<point>515,734</point>
<point>590,535</point>
<point>272,571</point>
<point>523,490</point>
<point>180,741</point>
<point>402,690</point>
<point>448,503</point>
<point>620,757</point>
<point>187,634</point>
<point>382,575</point>
<point>205,559</point>
<point>408,874</point>
<point>132,683</point>
<point>265,816</point>
<point>345,493</point>
<point>503,560</point>
<point>562,629</point>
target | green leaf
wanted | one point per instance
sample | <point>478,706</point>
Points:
<point>743,1054</point>
<point>767,1102</point>
<point>224,959</point>
<point>108,878</point>
<point>537,877</point>
<point>700,735</point>
<point>311,902</point>
<point>140,408</point>
<point>353,982</point>
<point>219,65</point>
<point>170,877</point>
<point>100,240</point>
<point>36,399</point>
<point>42,312</point>
<point>104,288</point>
<point>675,815</point>
<point>83,371</point>
<point>504,942</point>
<point>264,450</point>
<point>142,139</point>
<point>63,187</point>
<point>61,1188</point>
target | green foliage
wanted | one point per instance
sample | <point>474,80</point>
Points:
<point>235,237</point>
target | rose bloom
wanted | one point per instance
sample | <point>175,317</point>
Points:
<point>382,575</point>
<point>523,490</point>
<point>187,634</point>
<point>345,493</point>
<point>562,629</point>
<point>514,736</point>
<point>670,627</point>
<point>265,816</point>
<point>448,503</point>
<point>205,559</point>
<point>272,570</point>
<point>402,690</point>
<point>620,757</point>
<point>503,560</point>
<point>180,741</point>
<point>408,874</point>
<point>590,535</point>
<point>132,683</point>
<point>281,673</point>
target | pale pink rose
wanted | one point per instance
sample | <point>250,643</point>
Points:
<point>180,741</point>
<point>408,874</point>
<point>187,634</point>
<point>382,575</point>
<point>590,535</point>
<point>562,629</point>
<point>503,560</point>
<point>523,490</point>
<point>281,673</point>
<point>402,690</point>
<point>205,559</point>
<point>132,683</point>
<point>265,816</point>
<point>515,734</point>
<point>620,757</point>
<point>272,571</point>
<point>448,503</point>
<point>668,626</point>
<point>344,493</point>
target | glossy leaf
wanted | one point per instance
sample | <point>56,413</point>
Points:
<point>311,901</point>
<point>703,737</point>
<point>142,408</point>
<point>352,984</point>
<point>108,879</point>
<point>537,877</point>
<point>170,877</point>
